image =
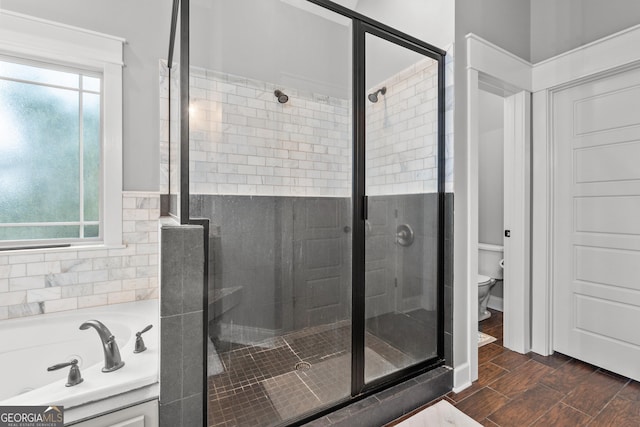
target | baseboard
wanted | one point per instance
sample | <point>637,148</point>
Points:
<point>461,377</point>
<point>496,303</point>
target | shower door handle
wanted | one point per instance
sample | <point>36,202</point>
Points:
<point>365,208</point>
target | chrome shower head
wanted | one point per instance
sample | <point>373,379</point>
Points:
<point>373,97</point>
<point>282,98</point>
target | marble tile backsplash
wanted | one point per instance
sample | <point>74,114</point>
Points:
<point>46,281</point>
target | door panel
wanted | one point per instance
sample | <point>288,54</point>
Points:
<point>401,233</point>
<point>596,137</point>
<point>321,260</point>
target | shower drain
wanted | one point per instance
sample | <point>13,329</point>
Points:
<point>303,366</point>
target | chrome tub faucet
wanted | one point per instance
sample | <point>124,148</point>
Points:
<point>112,359</point>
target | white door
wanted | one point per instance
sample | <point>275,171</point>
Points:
<point>596,222</point>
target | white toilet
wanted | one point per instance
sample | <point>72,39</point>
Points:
<point>485,283</point>
<point>489,271</point>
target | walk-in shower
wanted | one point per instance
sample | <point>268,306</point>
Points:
<point>325,208</point>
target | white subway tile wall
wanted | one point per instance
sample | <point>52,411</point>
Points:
<point>164,126</point>
<point>68,279</point>
<point>169,128</point>
<point>244,142</point>
<point>402,133</point>
<point>448,118</point>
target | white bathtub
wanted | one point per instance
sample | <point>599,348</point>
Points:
<point>29,345</point>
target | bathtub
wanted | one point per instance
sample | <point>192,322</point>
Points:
<point>29,345</point>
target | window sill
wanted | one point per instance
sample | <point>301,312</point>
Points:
<point>72,248</point>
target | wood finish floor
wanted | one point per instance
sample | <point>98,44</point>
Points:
<point>515,390</point>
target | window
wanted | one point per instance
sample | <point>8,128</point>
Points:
<point>60,134</point>
<point>50,145</point>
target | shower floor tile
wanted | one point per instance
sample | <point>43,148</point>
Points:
<point>330,380</point>
<point>290,395</point>
<point>316,347</point>
<point>247,406</point>
<point>260,385</point>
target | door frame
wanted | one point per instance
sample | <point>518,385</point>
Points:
<point>598,59</point>
<point>496,70</point>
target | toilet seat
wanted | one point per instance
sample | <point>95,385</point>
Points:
<point>484,280</point>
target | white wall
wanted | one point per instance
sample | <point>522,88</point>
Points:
<point>145,26</point>
<point>273,41</point>
<point>491,169</point>
<point>428,20</point>
<point>559,26</point>
<point>431,21</point>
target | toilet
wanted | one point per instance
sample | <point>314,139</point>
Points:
<point>490,269</point>
<point>485,283</point>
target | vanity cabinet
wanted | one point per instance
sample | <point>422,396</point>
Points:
<point>142,415</point>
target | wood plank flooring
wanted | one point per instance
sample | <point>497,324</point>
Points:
<point>515,390</point>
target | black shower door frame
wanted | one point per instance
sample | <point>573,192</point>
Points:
<point>362,25</point>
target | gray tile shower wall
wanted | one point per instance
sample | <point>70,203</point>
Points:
<point>181,320</point>
<point>448,278</point>
<point>274,251</point>
<point>402,275</point>
<point>283,263</point>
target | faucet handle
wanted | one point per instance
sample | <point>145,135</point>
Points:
<point>140,347</point>
<point>74,377</point>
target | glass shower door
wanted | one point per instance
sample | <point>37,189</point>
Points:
<point>270,167</point>
<point>401,231</point>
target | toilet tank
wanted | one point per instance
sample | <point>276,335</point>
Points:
<point>489,257</point>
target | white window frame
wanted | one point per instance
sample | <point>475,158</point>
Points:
<point>24,36</point>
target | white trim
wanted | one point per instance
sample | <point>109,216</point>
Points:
<point>493,68</point>
<point>602,55</point>
<point>597,59</point>
<point>27,35</point>
<point>72,248</point>
<point>60,25</point>
<point>541,247</point>
<point>34,38</point>
<point>490,59</point>
<point>462,373</point>
<point>517,326</point>
<point>472,219</point>
<point>490,247</point>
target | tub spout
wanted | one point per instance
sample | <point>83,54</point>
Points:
<point>112,360</point>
